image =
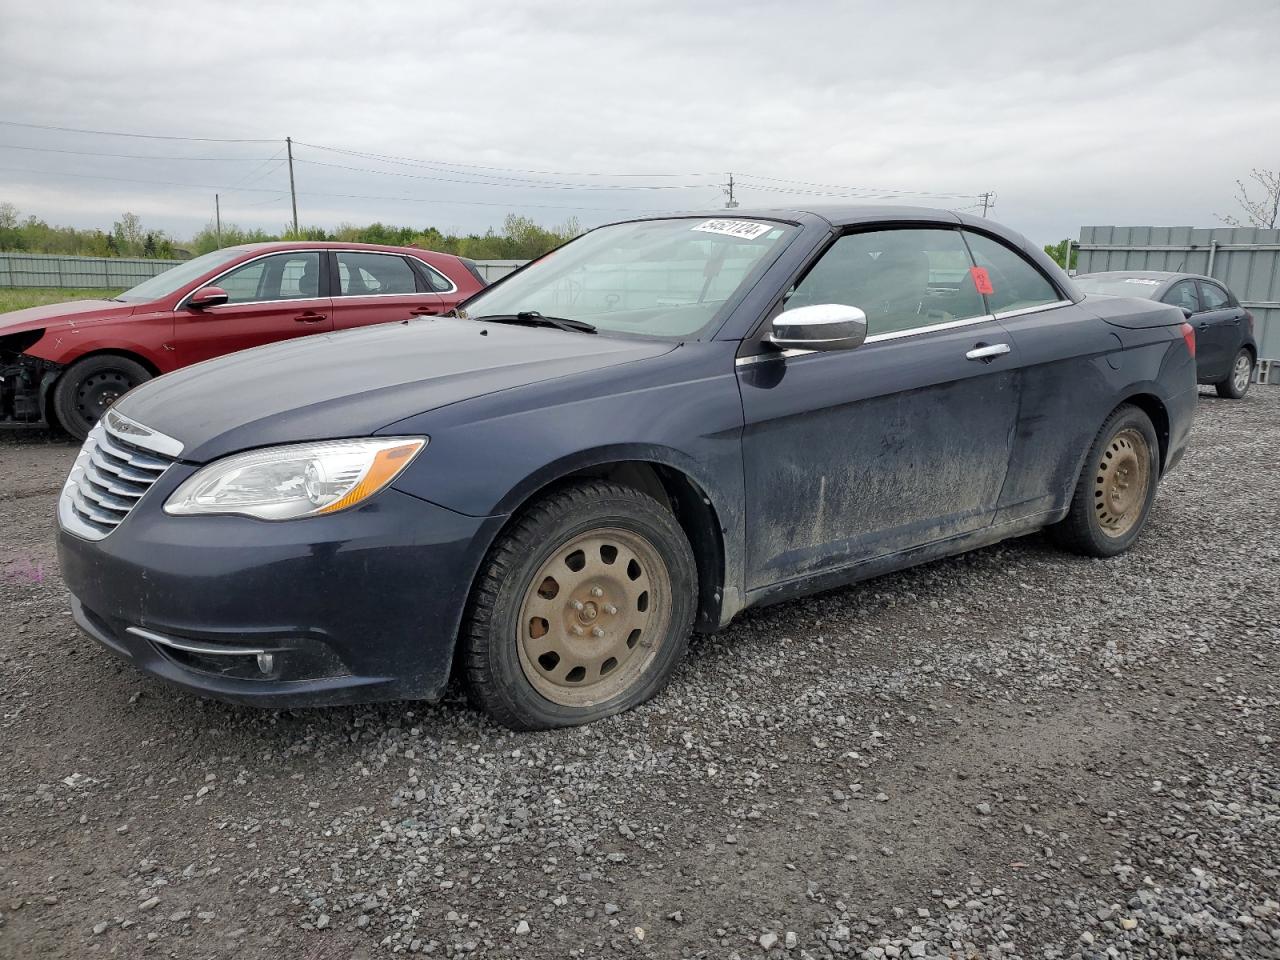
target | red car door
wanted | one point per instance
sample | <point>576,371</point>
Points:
<point>274,297</point>
<point>373,287</point>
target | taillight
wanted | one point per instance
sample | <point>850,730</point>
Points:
<point>1189,335</point>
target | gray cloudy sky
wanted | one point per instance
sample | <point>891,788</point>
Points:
<point>1073,113</point>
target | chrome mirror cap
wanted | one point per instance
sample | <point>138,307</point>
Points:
<point>823,326</point>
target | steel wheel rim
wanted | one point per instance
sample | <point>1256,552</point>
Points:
<point>594,617</point>
<point>99,391</point>
<point>1242,371</point>
<point>1122,482</point>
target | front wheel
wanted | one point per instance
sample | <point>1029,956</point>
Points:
<point>1116,487</point>
<point>583,608</point>
<point>88,388</point>
<point>1237,383</point>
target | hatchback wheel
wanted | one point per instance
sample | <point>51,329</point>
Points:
<point>88,388</point>
<point>1116,487</point>
<point>1237,383</point>
<point>583,608</point>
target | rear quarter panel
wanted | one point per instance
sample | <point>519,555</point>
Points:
<point>1077,368</point>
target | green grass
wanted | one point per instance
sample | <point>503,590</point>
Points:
<point>15,298</point>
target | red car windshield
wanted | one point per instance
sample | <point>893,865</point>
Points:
<point>175,278</point>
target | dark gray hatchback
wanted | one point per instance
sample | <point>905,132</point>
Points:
<point>655,427</point>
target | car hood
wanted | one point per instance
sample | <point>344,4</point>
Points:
<point>352,383</point>
<point>62,315</point>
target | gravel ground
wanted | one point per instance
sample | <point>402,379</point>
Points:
<point>1016,753</point>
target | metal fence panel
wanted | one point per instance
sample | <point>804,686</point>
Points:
<point>1246,259</point>
<point>493,270</point>
<point>51,270</point>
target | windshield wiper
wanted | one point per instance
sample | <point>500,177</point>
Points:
<point>535,319</point>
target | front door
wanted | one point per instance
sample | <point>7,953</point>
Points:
<point>276,297</point>
<point>378,288</point>
<point>850,455</point>
<point>1219,332</point>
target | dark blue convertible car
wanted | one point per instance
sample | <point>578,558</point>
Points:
<point>660,424</point>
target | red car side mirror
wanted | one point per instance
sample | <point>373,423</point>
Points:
<point>207,297</point>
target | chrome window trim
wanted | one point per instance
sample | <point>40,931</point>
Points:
<point>453,287</point>
<point>1034,309</point>
<point>774,355</point>
<point>928,328</point>
<point>213,282</point>
<point>876,338</point>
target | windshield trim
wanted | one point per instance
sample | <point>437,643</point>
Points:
<point>713,326</point>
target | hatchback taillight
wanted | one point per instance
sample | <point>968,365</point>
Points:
<point>1189,335</point>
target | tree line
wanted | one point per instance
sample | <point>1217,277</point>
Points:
<point>520,238</point>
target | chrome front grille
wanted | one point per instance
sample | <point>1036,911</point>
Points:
<point>118,464</point>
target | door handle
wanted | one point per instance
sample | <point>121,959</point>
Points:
<point>424,311</point>
<point>987,351</point>
<point>1204,324</point>
<point>309,316</point>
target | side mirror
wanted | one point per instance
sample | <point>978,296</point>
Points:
<point>823,326</point>
<point>207,297</point>
<point>1187,312</point>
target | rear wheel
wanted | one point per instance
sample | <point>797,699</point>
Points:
<point>1116,487</point>
<point>583,609</point>
<point>1237,383</point>
<point>88,388</point>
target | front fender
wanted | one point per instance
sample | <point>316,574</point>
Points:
<point>146,337</point>
<point>488,455</point>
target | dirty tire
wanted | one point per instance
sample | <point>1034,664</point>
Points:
<point>1236,385</point>
<point>1089,528</point>
<point>89,386</point>
<point>499,637</point>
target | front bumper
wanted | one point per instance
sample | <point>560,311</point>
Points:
<point>359,606</point>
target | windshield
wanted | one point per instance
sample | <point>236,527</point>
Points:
<point>1144,287</point>
<point>657,278</point>
<point>175,278</point>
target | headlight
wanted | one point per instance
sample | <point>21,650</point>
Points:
<point>301,480</point>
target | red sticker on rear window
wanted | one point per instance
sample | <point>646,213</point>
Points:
<point>982,280</point>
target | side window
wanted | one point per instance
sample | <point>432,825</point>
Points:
<point>436,281</point>
<point>284,276</point>
<point>901,279</point>
<point>1183,294</point>
<point>1015,283</point>
<point>364,274</point>
<point>1215,298</point>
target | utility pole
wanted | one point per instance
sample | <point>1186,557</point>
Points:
<point>731,202</point>
<point>293,194</point>
<point>988,200</point>
<point>217,219</point>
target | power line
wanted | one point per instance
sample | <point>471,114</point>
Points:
<point>850,190</point>
<point>341,196</point>
<point>136,136</point>
<point>250,178</point>
<point>164,183</point>
<point>126,156</point>
<point>411,161</point>
<point>531,185</point>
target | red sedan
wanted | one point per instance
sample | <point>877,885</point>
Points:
<point>66,363</point>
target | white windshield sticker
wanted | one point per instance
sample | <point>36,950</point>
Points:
<point>1141,280</point>
<point>742,229</point>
